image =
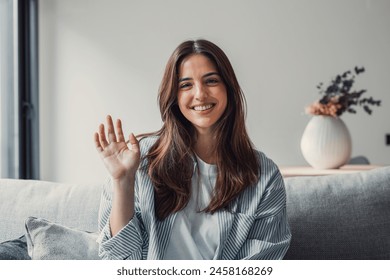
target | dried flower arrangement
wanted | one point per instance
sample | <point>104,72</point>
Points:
<point>339,96</point>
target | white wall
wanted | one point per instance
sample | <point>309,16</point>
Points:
<point>107,57</point>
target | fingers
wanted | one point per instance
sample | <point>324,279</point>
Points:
<point>119,130</point>
<point>102,136</point>
<point>134,143</point>
<point>97,142</point>
<point>110,129</point>
<point>100,139</point>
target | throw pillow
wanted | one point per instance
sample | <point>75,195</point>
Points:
<point>15,249</point>
<point>50,241</point>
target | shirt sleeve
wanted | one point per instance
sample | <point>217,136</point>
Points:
<point>128,242</point>
<point>269,236</point>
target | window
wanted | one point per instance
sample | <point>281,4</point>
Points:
<point>8,98</point>
<point>19,127</point>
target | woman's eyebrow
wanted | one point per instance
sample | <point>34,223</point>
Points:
<point>210,74</point>
<point>184,79</point>
<point>204,76</point>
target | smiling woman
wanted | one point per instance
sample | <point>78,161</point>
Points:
<point>197,188</point>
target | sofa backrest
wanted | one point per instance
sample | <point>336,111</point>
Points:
<point>340,216</point>
<point>71,205</point>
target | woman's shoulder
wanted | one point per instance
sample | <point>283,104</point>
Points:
<point>267,166</point>
<point>146,142</point>
<point>269,179</point>
<point>269,172</point>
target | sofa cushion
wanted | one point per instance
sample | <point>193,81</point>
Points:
<point>50,241</point>
<point>340,216</point>
<point>15,249</point>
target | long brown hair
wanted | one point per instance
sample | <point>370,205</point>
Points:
<point>171,158</point>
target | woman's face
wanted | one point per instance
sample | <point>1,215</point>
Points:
<point>202,95</point>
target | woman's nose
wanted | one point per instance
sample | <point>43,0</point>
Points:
<point>200,92</point>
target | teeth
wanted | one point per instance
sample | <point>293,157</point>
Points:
<point>202,108</point>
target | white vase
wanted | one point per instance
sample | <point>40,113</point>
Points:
<point>326,142</point>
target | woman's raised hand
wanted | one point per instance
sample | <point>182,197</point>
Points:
<point>120,161</point>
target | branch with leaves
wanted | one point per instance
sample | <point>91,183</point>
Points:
<point>339,96</point>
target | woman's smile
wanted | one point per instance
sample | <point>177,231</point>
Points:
<point>203,108</point>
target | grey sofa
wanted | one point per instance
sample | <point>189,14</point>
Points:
<point>331,217</point>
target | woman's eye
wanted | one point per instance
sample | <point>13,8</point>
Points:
<point>185,85</point>
<point>212,81</point>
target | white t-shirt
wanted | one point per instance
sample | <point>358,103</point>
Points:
<point>195,234</point>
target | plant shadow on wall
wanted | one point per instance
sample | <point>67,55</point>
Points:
<point>326,142</point>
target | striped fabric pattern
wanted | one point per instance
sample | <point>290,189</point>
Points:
<point>255,227</point>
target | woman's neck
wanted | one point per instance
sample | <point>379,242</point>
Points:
<point>205,148</point>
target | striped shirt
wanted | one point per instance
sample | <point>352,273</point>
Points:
<point>255,227</point>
